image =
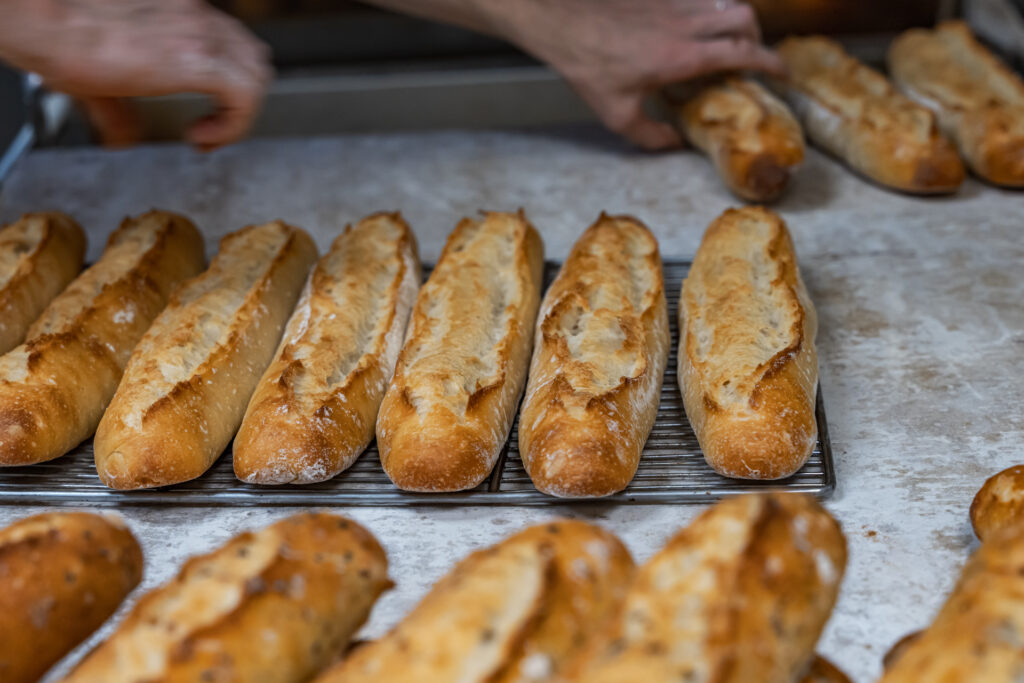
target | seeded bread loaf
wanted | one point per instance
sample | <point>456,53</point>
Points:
<point>189,380</point>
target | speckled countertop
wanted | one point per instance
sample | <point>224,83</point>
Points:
<point>921,330</point>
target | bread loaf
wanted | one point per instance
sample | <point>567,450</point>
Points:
<point>55,387</point>
<point>748,369</point>
<point>187,384</point>
<point>979,102</point>
<point>524,610</point>
<point>978,634</point>
<point>749,134</point>
<point>855,113</point>
<point>601,348</point>
<point>39,255</point>
<point>824,671</point>
<point>460,375</point>
<point>999,503</point>
<point>315,408</point>
<point>274,606</point>
<point>898,648</point>
<point>62,574</point>
<point>741,595</point>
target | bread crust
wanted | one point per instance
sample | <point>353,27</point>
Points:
<point>824,671</point>
<point>188,382</point>
<point>40,254</point>
<point>600,353</point>
<point>855,113</point>
<point>57,384</point>
<point>999,503</point>
<point>742,594</point>
<point>979,102</point>
<point>748,368</point>
<point>62,574</point>
<point>459,377</point>
<point>275,606</point>
<point>315,408</point>
<point>750,135</point>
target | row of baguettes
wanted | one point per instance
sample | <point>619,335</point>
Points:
<point>756,578</point>
<point>948,93</point>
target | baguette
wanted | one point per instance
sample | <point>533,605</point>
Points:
<point>978,633</point>
<point>315,408</point>
<point>854,113</point>
<point>749,134</point>
<point>186,386</point>
<point>742,594</point>
<point>55,386</point>
<point>39,255</point>
<point>979,102</point>
<point>824,671</point>
<point>748,368</point>
<point>523,610</point>
<point>599,358</point>
<point>999,503</point>
<point>274,606</point>
<point>61,576</point>
<point>450,406</point>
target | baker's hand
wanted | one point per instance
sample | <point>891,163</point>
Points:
<point>617,52</point>
<point>100,51</point>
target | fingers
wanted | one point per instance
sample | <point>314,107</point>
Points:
<point>711,56</point>
<point>731,21</point>
<point>115,120</point>
<point>625,115</point>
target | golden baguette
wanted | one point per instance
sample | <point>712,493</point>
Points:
<point>854,113</point>
<point>979,102</point>
<point>601,348</point>
<point>749,134</point>
<point>315,408</point>
<point>40,254</point>
<point>824,671</point>
<point>274,606</point>
<point>187,384</point>
<point>748,369</point>
<point>62,574</point>
<point>55,387</point>
<point>999,503</point>
<point>523,610</point>
<point>741,595</point>
<point>460,375</point>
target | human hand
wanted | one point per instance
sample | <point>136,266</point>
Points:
<point>100,51</point>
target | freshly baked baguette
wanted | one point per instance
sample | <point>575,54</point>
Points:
<point>186,386</point>
<point>61,575</point>
<point>748,369</point>
<point>749,134</point>
<point>459,377</point>
<point>601,348</point>
<point>978,100</point>
<point>742,594</point>
<point>55,387</point>
<point>854,113</point>
<point>999,503</point>
<point>524,610</point>
<point>275,606</point>
<point>979,632</point>
<point>824,671</point>
<point>315,408</point>
<point>898,648</point>
<point>39,255</point>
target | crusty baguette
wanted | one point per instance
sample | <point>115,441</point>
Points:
<point>748,368</point>
<point>824,671</point>
<point>55,387</point>
<point>523,610</point>
<point>275,606</point>
<point>742,594</point>
<point>62,574</point>
<point>450,406</point>
<point>978,633</point>
<point>898,648</point>
<point>999,503</point>
<point>601,348</point>
<point>39,255</point>
<point>186,386</point>
<point>315,408</point>
<point>978,100</point>
<point>749,134</point>
<point>855,113</point>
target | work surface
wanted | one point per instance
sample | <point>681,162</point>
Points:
<point>921,340</point>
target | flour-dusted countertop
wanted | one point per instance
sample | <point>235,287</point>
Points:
<point>921,336</point>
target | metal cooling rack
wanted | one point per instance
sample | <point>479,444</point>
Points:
<point>672,469</point>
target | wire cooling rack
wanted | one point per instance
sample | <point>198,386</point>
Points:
<point>672,469</point>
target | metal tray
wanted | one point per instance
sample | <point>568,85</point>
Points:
<point>672,469</point>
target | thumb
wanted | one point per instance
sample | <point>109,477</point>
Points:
<point>625,114</point>
<point>116,120</point>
